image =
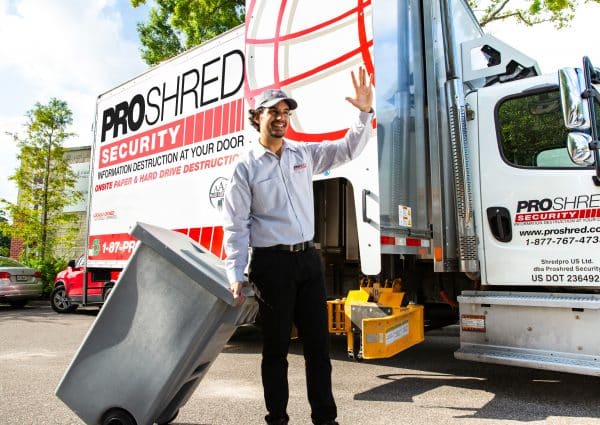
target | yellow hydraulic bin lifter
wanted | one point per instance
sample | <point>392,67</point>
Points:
<point>375,322</point>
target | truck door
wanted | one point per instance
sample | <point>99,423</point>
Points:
<point>310,56</point>
<point>540,212</point>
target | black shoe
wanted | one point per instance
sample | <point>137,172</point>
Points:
<point>330,422</point>
<point>278,422</point>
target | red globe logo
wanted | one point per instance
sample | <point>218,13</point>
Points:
<point>308,49</point>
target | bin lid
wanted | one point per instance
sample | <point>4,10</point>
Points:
<point>188,256</point>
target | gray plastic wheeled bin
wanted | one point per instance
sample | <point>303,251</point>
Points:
<point>166,320</point>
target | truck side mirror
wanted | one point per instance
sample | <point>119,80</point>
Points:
<point>578,145</point>
<point>71,264</point>
<point>576,112</point>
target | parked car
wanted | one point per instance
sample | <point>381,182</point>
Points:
<point>18,283</point>
<point>68,292</point>
<point>64,280</point>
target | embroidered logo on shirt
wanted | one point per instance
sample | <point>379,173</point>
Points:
<point>299,167</point>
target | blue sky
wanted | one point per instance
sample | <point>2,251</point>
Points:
<point>33,30</point>
<point>75,50</point>
<point>69,49</point>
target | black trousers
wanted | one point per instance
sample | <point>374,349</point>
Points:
<point>291,289</point>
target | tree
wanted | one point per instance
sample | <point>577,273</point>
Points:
<point>177,25</point>
<point>4,240</point>
<point>45,182</point>
<point>528,12</point>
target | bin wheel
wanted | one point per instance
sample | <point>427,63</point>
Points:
<point>171,419</point>
<point>118,417</point>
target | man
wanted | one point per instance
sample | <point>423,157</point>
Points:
<point>269,206</point>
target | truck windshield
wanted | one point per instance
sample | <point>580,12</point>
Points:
<point>532,133</point>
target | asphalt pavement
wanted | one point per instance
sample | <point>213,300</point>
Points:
<point>423,385</point>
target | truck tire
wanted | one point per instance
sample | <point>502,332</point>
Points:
<point>60,302</point>
<point>118,417</point>
<point>106,292</point>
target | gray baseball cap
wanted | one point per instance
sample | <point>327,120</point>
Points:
<point>272,97</point>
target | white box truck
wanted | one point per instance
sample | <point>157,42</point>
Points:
<point>477,199</point>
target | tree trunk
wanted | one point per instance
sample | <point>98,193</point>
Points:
<point>45,202</point>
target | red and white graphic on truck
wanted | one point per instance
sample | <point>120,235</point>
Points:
<point>560,208</point>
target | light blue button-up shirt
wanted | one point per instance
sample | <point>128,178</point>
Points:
<point>269,199</point>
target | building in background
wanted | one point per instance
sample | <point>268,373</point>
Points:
<point>79,158</point>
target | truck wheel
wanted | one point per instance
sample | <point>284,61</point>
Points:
<point>118,417</point>
<point>106,293</point>
<point>60,302</point>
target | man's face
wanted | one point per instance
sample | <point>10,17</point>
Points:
<point>273,121</point>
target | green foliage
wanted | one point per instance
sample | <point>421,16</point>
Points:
<point>4,240</point>
<point>49,268</point>
<point>160,40</point>
<point>530,125</point>
<point>45,182</point>
<point>177,25</point>
<point>528,12</point>
<point>174,26</point>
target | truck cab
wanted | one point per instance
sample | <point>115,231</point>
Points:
<point>68,292</point>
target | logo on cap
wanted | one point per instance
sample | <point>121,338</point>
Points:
<point>271,97</point>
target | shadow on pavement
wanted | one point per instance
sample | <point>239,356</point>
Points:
<point>430,366</point>
<point>541,394</point>
<point>420,372</point>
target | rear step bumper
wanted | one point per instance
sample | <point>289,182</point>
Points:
<point>536,359</point>
<point>538,330</point>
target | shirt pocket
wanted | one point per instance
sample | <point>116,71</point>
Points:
<point>268,196</point>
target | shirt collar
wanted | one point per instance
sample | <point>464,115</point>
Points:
<point>260,150</point>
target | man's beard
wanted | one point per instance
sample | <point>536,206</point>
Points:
<point>277,132</point>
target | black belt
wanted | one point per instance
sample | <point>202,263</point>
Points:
<point>297,247</point>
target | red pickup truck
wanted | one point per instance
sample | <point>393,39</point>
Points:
<point>68,292</point>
